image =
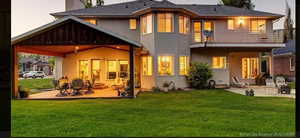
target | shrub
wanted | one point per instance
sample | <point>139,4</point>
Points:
<point>24,92</point>
<point>156,89</point>
<point>198,75</point>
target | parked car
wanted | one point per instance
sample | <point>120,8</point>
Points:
<point>22,73</point>
<point>34,74</point>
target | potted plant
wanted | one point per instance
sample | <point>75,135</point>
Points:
<point>166,86</point>
<point>23,93</point>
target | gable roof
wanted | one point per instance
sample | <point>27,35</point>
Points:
<point>127,9</point>
<point>60,21</point>
<point>290,47</point>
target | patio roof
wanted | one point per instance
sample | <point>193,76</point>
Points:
<point>68,31</point>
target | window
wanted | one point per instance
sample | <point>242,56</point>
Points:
<point>147,24</point>
<point>83,69</point>
<point>219,62</point>
<point>165,22</point>
<point>230,24</point>
<point>249,68</point>
<point>258,26</point>
<point>124,69</point>
<point>183,65</point>
<point>184,24</point>
<point>112,69</point>
<point>197,31</point>
<point>96,69</point>
<point>92,21</point>
<point>147,65</point>
<point>209,26</point>
<point>292,63</point>
<point>165,65</point>
<point>132,24</point>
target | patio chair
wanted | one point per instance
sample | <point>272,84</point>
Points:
<point>270,82</point>
<point>280,81</point>
<point>63,87</point>
<point>89,87</point>
<point>238,83</point>
<point>77,85</point>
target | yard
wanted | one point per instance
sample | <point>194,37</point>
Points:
<point>34,85</point>
<point>195,113</point>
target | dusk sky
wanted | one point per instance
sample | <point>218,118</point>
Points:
<point>30,14</point>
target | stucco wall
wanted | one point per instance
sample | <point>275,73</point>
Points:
<point>71,62</point>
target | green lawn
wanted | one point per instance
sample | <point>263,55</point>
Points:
<point>36,84</point>
<point>292,85</point>
<point>194,113</point>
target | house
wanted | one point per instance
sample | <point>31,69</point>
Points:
<point>150,42</point>
<point>34,64</point>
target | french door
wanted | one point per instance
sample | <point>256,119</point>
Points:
<point>96,70</point>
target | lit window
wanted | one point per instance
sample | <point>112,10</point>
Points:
<point>132,24</point>
<point>165,22</point>
<point>112,69</point>
<point>219,62</point>
<point>258,26</point>
<point>83,69</point>
<point>184,24</point>
<point>147,24</point>
<point>147,65</point>
<point>165,65</point>
<point>124,69</point>
<point>230,24</point>
<point>292,63</point>
<point>197,31</point>
<point>183,65</point>
<point>92,21</point>
<point>249,68</point>
<point>96,69</point>
<point>209,26</point>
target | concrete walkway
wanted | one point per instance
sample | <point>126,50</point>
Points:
<point>263,91</point>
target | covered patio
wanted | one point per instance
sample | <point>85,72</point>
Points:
<point>79,47</point>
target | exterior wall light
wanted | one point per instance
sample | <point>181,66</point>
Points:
<point>241,21</point>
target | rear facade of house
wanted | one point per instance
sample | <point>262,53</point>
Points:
<point>235,42</point>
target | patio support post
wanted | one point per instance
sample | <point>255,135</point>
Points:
<point>131,75</point>
<point>15,74</point>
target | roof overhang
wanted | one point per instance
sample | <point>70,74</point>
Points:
<point>239,45</point>
<point>49,26</point>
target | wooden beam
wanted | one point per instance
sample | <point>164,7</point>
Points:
<point>131,75</point>
<point>15,73</point>
<point>40,52</point>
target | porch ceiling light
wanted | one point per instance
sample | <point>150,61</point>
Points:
<point>241,21</point>
<point>76,49</point>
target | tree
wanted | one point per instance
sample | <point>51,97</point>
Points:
<point>100,2</point>
<point>87,3</point>
<point>288,24</point>
<point>247,4</point>
<point>199,74</point>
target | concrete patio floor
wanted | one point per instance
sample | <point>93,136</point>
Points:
<point>263,91</point>
<point>98,93</point>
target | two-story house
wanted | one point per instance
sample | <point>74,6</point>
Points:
<point>166,37</point>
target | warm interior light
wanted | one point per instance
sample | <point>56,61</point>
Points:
<point>118,47</point>
<point>76,49</point>
<point>241,21</point>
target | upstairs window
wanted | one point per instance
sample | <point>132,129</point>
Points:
<point>184,24</point>
<point>230,24</point>
<point>147,24</point>
<point>147,65</point>
<point>209,26</point>
<point>258,26</point>
<point>165,22</point>
<point>91,21</point>
<point>197,31</point>
<point>219,62</point>
<point>132,24</point>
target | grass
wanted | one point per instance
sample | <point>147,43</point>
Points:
<point>195,113</point>
<point>36,84</point>
<point>292,85</point>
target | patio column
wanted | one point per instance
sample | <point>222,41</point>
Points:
<point>131,75</point>
<point>58,67</point>
<point>15,72</point>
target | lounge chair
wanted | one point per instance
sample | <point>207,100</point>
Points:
<point>77,85</point>
<point>280,81</point>
<point>238,83</point>
<point>270,82</point>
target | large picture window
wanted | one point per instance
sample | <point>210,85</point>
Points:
<point>219,62</point>
<point>165,22</point>
<point>183,65</point>
<point>165,65</point>
<point>249,68</point>
<point>112,69</point>
<point>257,26</point>
<point>147,65</point>
<point>84,69</point>
<point>184,24</point>
<point>209,26</point>
<point>197,31</point>
<point>147,24</point>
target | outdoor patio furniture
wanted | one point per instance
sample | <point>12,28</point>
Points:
<point>89,86</point>
<point>280,81</point>
<point>63,87</point>
<point>249,92</point>
<point>284,89</point>
<point>77,85</point>
<point>238,83</point>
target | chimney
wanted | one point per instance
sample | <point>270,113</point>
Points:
<point>73,5</point>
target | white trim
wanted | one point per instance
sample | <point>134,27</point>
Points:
<point>284,54</point>
<point>48,26</point>
<point>291,68</point>
<point>238,45</point>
